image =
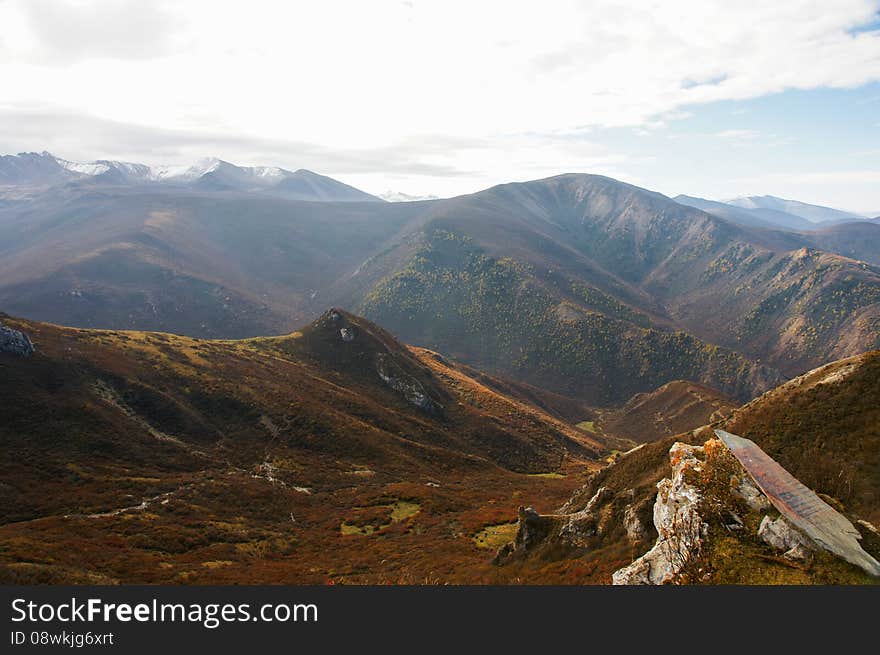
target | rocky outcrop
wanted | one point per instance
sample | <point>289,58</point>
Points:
<point>15,342</point>
<point>680,527</point>
<point>562,532</point>
<point>532,530</point>
<point>411,389</point>
<point>577,528</point>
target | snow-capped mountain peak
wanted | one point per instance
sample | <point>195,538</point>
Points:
<point>399,196</point>
<point>208,174</point>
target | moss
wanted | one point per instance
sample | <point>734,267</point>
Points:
<point>495,536</point>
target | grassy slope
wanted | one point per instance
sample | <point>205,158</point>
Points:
<point>823,427</point>
<point>676,407</point>
<point>147,457</point>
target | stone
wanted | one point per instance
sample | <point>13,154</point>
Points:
<point>779,534</point>
<point>868,526</point>
<point>632,523</point>
<point>15,342</point>
<point>411,389</point>
<point>680,528</point>
<point>745,488</point>
<point>347,334</point>
<point>798,554</point>
<point>532,529</point>
<point>582,525</point>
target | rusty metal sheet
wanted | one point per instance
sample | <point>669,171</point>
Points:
<point>799,505</point>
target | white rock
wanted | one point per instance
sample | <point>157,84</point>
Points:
<point>749,492</point>
<point>635,529</point>
<point>679,526</point>
<point>583,524</point>
<point>781,535</point>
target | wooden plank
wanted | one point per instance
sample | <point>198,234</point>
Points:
<point>799,505</point>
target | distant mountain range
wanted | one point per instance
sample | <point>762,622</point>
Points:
<point>578,284</point>
<point>45,169</point>
<point>224,374</point>
<point>772,212</point>
<point>397,196</point>
<point>812,213</point>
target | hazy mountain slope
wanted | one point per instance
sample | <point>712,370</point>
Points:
<point>306,185</point>
<point>747,216</point>
<point>32,169</point>
<point>624,253</point>
<point>200,264</point>
<point>792,309</point>
<point>561,283</point>
<point>334,452</point>
<point>855,239</point>
<point>812,213</point>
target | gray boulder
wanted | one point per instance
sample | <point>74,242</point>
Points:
<point>780,534</point>
<point>15,342</point>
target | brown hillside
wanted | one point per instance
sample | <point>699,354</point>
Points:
<point>674,408</point>
<point>148,457</point>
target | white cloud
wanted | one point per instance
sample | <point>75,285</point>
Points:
<point>738,135</point>
<point>367,76</point>
<point>62,32</point>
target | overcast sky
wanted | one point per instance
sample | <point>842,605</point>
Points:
<point>710,98</point>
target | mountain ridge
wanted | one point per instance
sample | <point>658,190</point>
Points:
<point>308,457</point>
<point>208,174</point>
<point>610,274</point>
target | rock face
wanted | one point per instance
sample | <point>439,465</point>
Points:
<point>533,529</point>
<point>632,523</point>
<point>15,342</point>
<point>679,525</point>
<point>578,527</point>
<point>563,531</point>
<point>780,535</point>
<point>408,386</point>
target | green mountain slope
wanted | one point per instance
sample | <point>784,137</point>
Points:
<point>496,313</point>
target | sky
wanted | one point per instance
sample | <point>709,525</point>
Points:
<point>709,98</point>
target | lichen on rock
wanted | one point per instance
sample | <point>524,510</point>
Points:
<point>680,527</point>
